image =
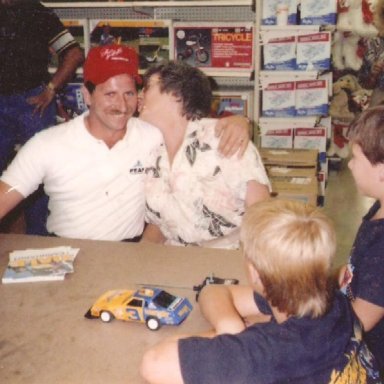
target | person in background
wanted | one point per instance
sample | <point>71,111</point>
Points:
<point>371,73</point>
<point>93,167</point>
<point>194,195</point>
<point>362,280</point>
<point>106,37</point>
<point>28,32</point>
<point>312,336</point>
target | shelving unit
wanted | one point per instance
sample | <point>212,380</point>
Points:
<point>197,11</point>
<point>299,128</point>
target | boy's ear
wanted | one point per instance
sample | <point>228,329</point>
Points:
<point>254,276</point>
<point>381,172</point>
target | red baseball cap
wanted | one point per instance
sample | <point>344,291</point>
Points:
<point>106,61</point>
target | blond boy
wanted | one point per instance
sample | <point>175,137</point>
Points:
<point>312,335</point>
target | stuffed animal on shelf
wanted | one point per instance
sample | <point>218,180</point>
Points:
<point>354,21</point>
<point>339,143</point>
<point>378,17</point>
<point>356,16</point>
<point>361,99</point>
<point>345,51</point>
<point>339,108</point>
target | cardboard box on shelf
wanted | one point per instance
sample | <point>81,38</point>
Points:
<point>310,138</point>
<point>304,189</point>
<point>282,172</point>
<point>277,138</point>
<point>293,173</point>
<point>289,157</point>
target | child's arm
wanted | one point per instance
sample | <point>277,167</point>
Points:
<point>369,314</point>
<point>226,306</point>
<point>160,364</point>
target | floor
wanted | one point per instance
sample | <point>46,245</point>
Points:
<point>342,203</point>
<point>346,207</point>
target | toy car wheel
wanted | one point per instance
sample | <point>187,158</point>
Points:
<point>153,324</point>
<point>106,316</point>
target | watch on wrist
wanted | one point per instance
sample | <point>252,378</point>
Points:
<point>51,87</point>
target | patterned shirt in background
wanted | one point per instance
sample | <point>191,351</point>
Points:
<point>374,51</point>
<point>201,196</point>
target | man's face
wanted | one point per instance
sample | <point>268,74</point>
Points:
<point>366,175</point>
<point>112,103</point>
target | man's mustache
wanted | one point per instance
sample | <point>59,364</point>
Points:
<point>118,112</point>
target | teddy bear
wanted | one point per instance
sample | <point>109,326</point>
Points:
<point>339,143</point>
<point>357,16</point>
<point>339,107</point>
<point>354,21</point>
<point>344,89</point>
<point>345,51</point>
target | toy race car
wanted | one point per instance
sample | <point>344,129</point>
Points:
<point>151,306</point>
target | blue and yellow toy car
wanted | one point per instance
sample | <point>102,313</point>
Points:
<point>152,306</point>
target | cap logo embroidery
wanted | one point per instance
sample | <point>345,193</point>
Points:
<point>110,54</point>
<point>119,59</point>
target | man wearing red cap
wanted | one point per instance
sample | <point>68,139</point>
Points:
<point>92,167</point>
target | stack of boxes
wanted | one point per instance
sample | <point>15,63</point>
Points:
<point>296,86</point>
<point>293,173</point>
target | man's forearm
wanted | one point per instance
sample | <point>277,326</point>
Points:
<point>69,61</point>
<point>9,198</point>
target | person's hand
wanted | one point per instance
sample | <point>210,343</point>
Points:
<point>234,135</point>
<point>42,100</point>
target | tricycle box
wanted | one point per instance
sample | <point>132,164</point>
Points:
<point>223,46</point>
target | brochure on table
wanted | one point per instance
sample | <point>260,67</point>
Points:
<point>45,264</point>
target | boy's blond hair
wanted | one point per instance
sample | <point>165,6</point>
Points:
<point>291,245</point>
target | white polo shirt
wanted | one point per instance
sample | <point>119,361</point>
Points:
<point>94,192</point>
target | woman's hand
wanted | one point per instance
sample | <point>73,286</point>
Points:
<point>234,135</point>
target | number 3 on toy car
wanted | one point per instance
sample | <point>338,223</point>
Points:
<point>132,314</point>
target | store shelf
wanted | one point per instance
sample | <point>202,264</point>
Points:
<point>153,3</point>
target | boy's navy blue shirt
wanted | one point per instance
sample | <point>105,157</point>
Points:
<point>366,266</point>
<point>300,351</point>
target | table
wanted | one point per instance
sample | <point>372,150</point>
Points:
<point>44,337</point>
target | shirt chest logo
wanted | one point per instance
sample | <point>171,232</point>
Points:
<point>137,169</point>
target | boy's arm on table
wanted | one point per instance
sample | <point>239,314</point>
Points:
<point>9,198</point>
<point>223,306</point>
<point>234,135</point>
<point>153,234</point>
<point>227,307</point>
<point>160,364</point>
